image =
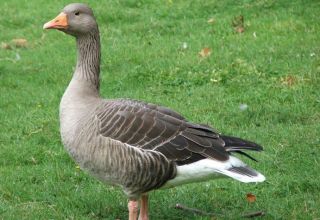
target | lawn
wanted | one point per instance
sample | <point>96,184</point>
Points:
<point>258,79</point>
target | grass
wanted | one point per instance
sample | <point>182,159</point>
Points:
<point>273,67</point>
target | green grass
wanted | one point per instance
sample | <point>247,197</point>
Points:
<point>276,73</point>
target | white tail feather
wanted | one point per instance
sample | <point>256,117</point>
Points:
<point>210,169</point>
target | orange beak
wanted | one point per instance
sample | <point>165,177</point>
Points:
<point>60,22</point>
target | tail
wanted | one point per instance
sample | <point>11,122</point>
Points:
<point>236,145</point>
<point>238,169</point>
<point>242,172</point>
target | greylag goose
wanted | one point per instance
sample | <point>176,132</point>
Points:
<point>136,145</point>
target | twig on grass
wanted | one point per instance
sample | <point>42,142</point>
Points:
<point>254,214</point>
<point>211,214</point>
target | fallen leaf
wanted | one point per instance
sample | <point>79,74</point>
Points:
<point>5,46</point>
<point>205,52</point>
<point>211,21</point>
<point>240,29</point>
<point>288,80</point>
<point>238,23</point>
<point>20,42</point>
<point>251,197</point>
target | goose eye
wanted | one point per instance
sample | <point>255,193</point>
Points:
<point>77,13</point>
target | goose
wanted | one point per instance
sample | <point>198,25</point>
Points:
<point>133,144</point>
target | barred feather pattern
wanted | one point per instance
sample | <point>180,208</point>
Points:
<point>136,170</point>
<point>157,128</point>
<point>89,55</point>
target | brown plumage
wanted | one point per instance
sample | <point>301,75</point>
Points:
<point>133,144</point>
<point>157,128</point>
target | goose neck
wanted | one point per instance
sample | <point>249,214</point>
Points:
<point>88,61</point>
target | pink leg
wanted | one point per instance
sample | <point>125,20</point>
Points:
<point>144,208</point>
<point>133,207</point>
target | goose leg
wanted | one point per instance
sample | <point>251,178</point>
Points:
<point>144,208</point>
<point>133,207</point>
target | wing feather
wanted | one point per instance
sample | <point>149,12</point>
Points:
<point>158,128</point>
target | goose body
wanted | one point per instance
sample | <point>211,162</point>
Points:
<point>136,145</point>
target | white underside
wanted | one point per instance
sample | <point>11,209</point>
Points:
<point>210,169</point>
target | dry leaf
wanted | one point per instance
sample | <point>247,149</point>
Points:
<point>288,80</point>
<point>238,23</point>
<point>240,29</point>
<point>251,197</point>
<point>5,46</point>
<point>211,21</point>
<point>205,52</point>
<point>20,42</point>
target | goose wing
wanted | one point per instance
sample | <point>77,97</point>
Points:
<point>157,128</point>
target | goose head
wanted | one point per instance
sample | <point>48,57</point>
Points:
<point>75,19</point>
